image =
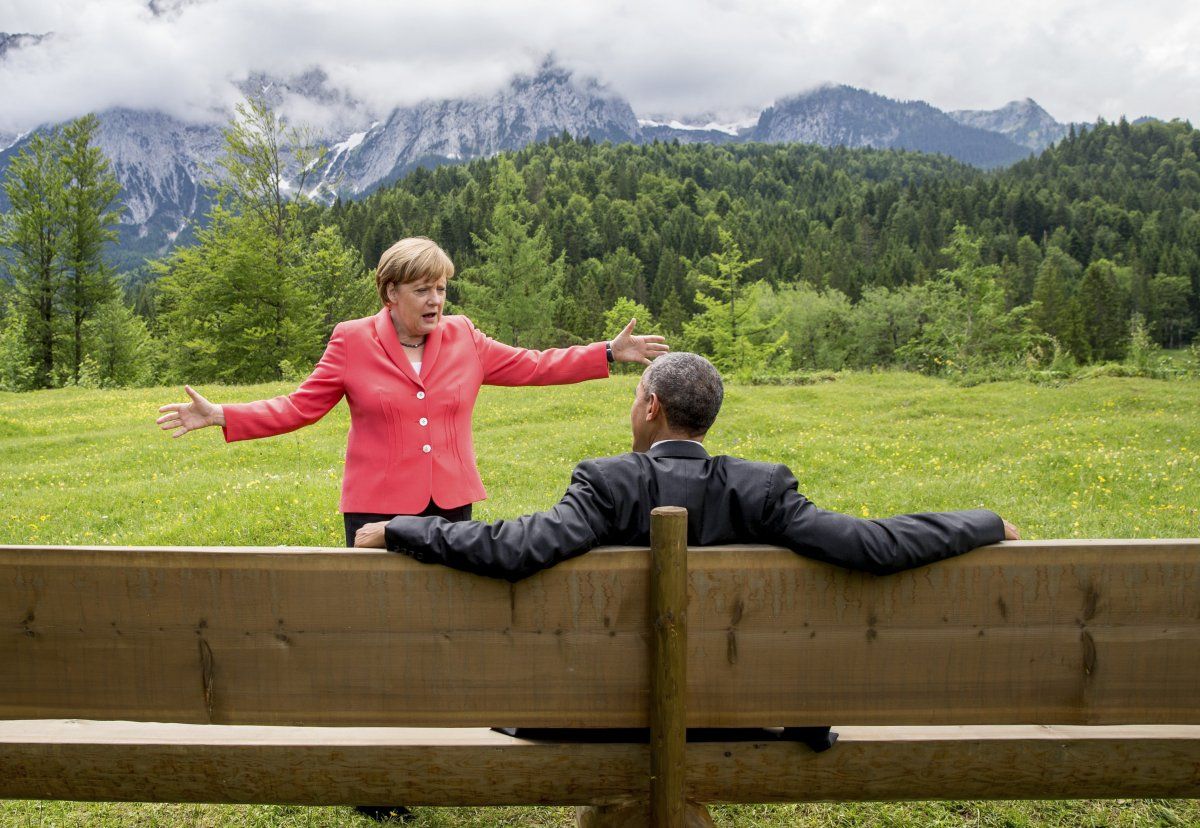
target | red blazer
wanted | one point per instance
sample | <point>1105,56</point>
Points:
<point>410,436</point>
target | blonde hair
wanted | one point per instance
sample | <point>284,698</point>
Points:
<point>416,259</point>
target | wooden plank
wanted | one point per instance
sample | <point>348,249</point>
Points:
<point>975,762</point>
<point>125,761</point>
<point>1095,632</point>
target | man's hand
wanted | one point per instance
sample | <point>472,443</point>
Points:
<point>1010,531</point>
<point>629,348</point>
<point>185,417</point>
<point>370,536</point>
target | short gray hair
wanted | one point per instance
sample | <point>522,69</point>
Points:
<point>688,387</point>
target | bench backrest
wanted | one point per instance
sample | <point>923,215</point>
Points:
<point>1063,632</point>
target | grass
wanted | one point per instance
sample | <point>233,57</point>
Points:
<point>1107,457</point>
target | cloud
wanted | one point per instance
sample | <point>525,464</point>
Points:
<point>184,57</point>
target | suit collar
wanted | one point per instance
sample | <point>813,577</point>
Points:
<point>678,448</point>
<point>386,333</point>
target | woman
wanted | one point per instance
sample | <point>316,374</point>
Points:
<point>410,377</point>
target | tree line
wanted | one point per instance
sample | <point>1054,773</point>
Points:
<point>859,255</point>
<point>61,317</point>
<point>769,259</point>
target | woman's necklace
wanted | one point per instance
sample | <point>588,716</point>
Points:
<point>418,345</point>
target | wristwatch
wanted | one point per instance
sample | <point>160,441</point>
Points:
<point>608,352</point>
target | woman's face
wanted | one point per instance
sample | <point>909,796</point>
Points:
<point>416,307</point>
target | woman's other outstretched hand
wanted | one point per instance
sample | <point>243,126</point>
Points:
<point>629,348</point>
<point>185,417</point>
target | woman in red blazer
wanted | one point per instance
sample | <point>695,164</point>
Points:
<point>410,377</point>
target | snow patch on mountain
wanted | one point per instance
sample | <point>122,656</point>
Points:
<point>735,128</point>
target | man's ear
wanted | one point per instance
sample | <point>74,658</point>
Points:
<point>653,408</point>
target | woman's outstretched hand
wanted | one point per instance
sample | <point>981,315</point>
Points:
<point>629,348</point>
<point>185,417</point>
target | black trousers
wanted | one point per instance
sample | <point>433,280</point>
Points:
<point>357,520</point>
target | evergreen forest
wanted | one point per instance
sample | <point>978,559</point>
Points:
<point>776,261</point>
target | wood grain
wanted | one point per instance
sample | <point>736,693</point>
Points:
<point>128,761</point>
<point>1060,632</point>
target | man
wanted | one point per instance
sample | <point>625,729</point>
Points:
<point>729,500</point>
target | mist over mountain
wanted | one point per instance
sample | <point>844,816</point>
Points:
<point>530,109</point>
<point>11,41</point>
<point>310,101</point>
<point>162,162</point>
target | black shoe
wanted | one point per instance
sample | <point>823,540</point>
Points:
<point>385,813</point>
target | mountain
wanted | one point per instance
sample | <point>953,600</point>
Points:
<point>531,108</point>
<point>162,161</point>
<point>311,101</point>
<point>845,116</point>
<point>11,41</point>
<point>1023,121</point>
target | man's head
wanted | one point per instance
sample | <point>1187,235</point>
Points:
<point>677,398</point>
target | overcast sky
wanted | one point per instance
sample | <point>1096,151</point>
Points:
<point>1078,59</point>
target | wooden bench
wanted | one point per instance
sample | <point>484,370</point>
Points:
<point>1056,669</point>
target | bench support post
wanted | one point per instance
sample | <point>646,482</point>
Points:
<point>668,682</point>
<point>668,691</point>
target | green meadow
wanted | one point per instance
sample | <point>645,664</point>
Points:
<point>1106,457</point>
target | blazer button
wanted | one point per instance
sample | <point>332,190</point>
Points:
<point>424,421</point>
<point>420,395</point>
<point>427,448</point>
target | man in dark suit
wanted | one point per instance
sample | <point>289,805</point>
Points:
<point>729,500</point>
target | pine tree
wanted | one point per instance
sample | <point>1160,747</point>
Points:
<point>333,273</point>
<point>1029,256</point>
<point>967,325</point>
<point>1052,310</point>
<point>119,346</point>
<point>1100,307</point>
<point>1169,314</point>
<point>726,329</point>
<point>513,293</point>
<point>89,219</point>
<point>16,363</point>
<point>580,314</point>
<point>33,231</point>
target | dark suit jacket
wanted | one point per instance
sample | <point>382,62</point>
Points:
<point>729,500</point>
